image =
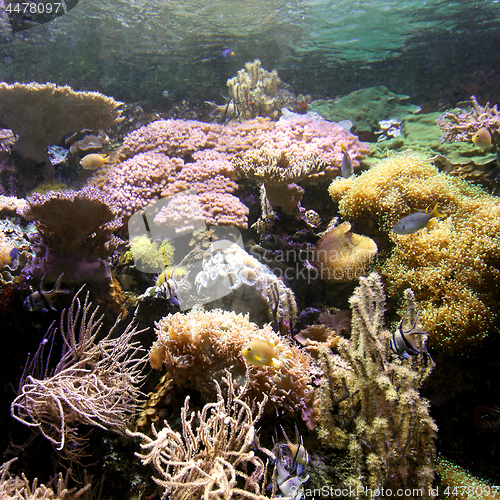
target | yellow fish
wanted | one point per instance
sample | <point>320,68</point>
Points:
<point>93,161</point>
<point>261,352</point>
<point>482,139</point>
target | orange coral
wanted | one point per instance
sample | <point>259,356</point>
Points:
<point>197,347</point>
<point>342,255</point>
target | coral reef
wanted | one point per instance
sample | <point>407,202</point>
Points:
<point>93,383</point>
<point>196,348</point>
<point>278,170</point>
<point>212,457</point>
<point>369,402</point>
<point>257,92</point>
<point>452,266</point>
<point>342,255</point>
<point>461,125</point>
<point>74,234</point>
<point>137,181</point>
<point>61,110</point>
<point>167,157</point>
<point>365,108</point>
<point>19,488</point>
<point>227,267</point>
<point>305,136</point>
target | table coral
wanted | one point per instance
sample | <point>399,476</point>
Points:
<point>452,266</point>
<point>60,110</point>
<point>196,348</point>
<point>278,170</point>
<point>74,234</point>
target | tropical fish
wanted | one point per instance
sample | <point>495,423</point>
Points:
<point>39,300</point>
<point>347,169</point>
<point>227,53</point>
<point>403,341</point>
<point>415,221</point>
<point>93,161</point>
<point>482,139</point>
<point>261,352</point>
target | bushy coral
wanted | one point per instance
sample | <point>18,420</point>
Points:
<point>464,123</point>
<point>453,265</point>
<point>213,456</point>
<point>196,348</point>
<point>257,92</point>
<point>369,403</point>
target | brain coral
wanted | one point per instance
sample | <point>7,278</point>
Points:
<point>198,346</point>
<point>453,265</point>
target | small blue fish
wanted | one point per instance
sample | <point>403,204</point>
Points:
<point>39,300</point>
<point>413,222</point>
<point>228,53</point>
<point>347,169</point>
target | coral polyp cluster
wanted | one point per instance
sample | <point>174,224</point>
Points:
<point>196,348</point>
<point>452,266</point>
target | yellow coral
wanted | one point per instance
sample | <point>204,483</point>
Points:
<point>198,346</point>
<point>452,266</point>
<point>342,255</point>
<point>151,256</point>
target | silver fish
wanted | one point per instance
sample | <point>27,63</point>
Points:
<point>39,301</point>
<point>415,221</point>
<point>347,169</point>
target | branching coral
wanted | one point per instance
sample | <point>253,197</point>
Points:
<point>369,402</point>
<point>74,233</point>
<point>212,458</point>
<point>42,113</point>
<point>19,488</point>
<point>257,92</point>
<point>94,383</point>
<point>452,266</point>
<point>196,349</point>
<point>462,125</point>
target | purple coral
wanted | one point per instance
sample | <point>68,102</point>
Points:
<point>462,125</point>
<point>74,234</point>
